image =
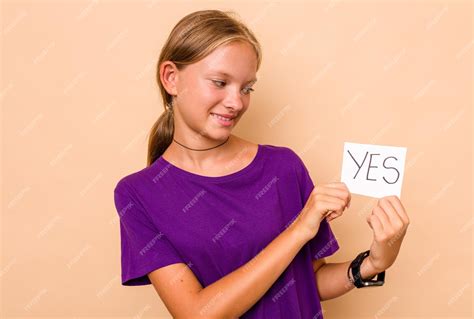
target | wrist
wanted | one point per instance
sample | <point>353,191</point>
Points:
<point>299,231</point>
<point>368,270</point>
<point>361,272</point>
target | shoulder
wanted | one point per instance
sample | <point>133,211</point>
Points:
<point>133,181</point>
<point>288,160</point>
<point>283,153</point>
<point>276,152</point>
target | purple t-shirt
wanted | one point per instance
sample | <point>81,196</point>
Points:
<point>217,224</point>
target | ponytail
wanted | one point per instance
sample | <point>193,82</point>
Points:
<point>161,136</point>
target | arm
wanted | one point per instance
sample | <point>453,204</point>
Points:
<point>234,294</point>
<point>332,278</point>
<point>389,222</point>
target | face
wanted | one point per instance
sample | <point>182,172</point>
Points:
<point>221,83</point>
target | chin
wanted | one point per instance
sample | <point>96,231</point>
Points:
<point>219,135</point>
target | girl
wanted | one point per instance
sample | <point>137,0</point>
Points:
<point>223,227</point>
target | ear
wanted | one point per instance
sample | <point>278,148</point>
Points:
<point>169,77</point>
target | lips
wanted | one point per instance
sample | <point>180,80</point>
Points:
<point>225,122</point>
<point>228,116</point>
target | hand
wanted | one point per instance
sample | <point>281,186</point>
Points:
<point>389,222</point>
<point>325,201</point>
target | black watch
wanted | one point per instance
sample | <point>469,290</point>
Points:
<point>355,270</point>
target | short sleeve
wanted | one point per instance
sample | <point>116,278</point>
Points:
<point>324,243</point>
<point>143,247</point>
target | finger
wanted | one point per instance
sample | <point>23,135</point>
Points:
<point>329,198</point>
<point>348,191</point>
<point>376,225</point>
<point>334,191</point>
<point>383,218</point>
<point>338,211</point>
<point>328,207</point>
<point>339,185</point>
<point>342,186</point>
<point>332,216</point>
<point>393,216</point>
<point>397,204</point>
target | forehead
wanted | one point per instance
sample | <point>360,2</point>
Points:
<point>236,60</point>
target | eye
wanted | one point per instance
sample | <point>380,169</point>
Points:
<point>219,83</point>
<point>248,90</point>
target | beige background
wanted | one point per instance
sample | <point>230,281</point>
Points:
<point>78,98</point>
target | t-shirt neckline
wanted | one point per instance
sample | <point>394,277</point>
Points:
<point>204,178</point>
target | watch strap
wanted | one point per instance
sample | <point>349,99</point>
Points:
<point>357,280</point>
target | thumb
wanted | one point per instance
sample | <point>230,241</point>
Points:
<point>368,222</point>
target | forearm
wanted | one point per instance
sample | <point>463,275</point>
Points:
<point>332,281</point>
<point>237,292</point>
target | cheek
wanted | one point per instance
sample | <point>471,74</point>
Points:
<point>205,93</point>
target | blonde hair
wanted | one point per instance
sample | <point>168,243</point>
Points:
<point>194,37</point>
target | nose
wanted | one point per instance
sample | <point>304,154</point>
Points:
<point>234,100</point>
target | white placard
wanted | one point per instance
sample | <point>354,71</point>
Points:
<point>373,170</point>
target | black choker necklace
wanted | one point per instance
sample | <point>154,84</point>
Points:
<point>203,149</point>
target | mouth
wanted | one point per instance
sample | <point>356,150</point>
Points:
<point>224,121</point>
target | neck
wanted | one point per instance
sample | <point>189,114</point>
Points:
<point>200,159</point>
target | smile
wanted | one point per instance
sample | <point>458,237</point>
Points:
<point>222,120</point>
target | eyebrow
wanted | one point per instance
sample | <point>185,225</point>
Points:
<point>229,76</point>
